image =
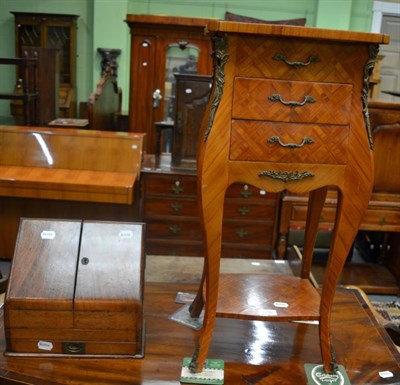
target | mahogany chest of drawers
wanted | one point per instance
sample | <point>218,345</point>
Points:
<point>171,213</point>
<point>76,289</point>
<point>383,214</point>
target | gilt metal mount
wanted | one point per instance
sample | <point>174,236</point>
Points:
<point>368,68</point>
<point>287,176</point>
<point>220,44</point>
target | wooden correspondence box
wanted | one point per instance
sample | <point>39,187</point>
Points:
<point>76,288</point>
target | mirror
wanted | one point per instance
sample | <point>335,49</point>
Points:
<point>181,58</point>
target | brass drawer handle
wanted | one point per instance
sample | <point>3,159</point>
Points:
<point>278,98</point>
<point>175,229</point>
<point>177,188</point>
<point>241,233</point>
<point>246,193</point>
<point>297,64</point>
<point>287,176</point>
<point>73,347</point>
<point>277,139</point>
<point>176,207</point>
<point>244,210</point>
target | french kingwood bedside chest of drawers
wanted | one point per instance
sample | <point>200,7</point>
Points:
<point>288,111</point>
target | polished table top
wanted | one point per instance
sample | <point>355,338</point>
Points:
<point>251,349</point>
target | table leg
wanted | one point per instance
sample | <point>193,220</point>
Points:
<point>212,203</point>
<point>349,215</point>
<point>315,205</point>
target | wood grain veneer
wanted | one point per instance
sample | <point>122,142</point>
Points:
<point>365,350</point>
<point>78,284</point>
<point>66,173</point>
<point>266,75</point>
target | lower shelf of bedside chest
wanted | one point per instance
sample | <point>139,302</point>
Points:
<point>267,297</point>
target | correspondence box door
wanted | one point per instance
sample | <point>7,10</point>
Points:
<point>43,270</point>
<point>110,272</point>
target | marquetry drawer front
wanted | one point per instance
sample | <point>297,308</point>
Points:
<point>288,142</point>
<point>296,60</point>
<point>159,206</point>
<point>256,233</point>
<point>288,101</point>
<point>177,185</point>
<point>180,229</point>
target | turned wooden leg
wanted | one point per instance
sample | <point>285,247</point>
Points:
<point>350,211</point>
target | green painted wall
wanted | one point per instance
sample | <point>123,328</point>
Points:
<point>110,31</point>
<point>262,9</point>
<point>101,24</point>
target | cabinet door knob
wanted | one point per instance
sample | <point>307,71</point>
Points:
<point>244,210</point>
<point>297,64</point>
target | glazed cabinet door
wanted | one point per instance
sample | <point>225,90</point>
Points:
<point>162,46</point>
<point>153,84</point>
<point>56,32</point>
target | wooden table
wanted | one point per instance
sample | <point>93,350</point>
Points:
<point>249,348</point>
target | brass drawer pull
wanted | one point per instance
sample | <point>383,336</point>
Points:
<point>278,98</point>
<point>177,188</point>
<point>241,233</point>
<point>246,193</point>
<point>73,347</point>
<point>176,207</point>
<point>297,64</point>
<point>287,176</point>
<point>244,210</point>
<point>277,139</point>
<point>175,229</point>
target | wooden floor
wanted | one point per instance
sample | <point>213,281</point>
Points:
<point>254,352</point>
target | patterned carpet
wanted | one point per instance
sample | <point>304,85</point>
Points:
<point>390,311</point>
